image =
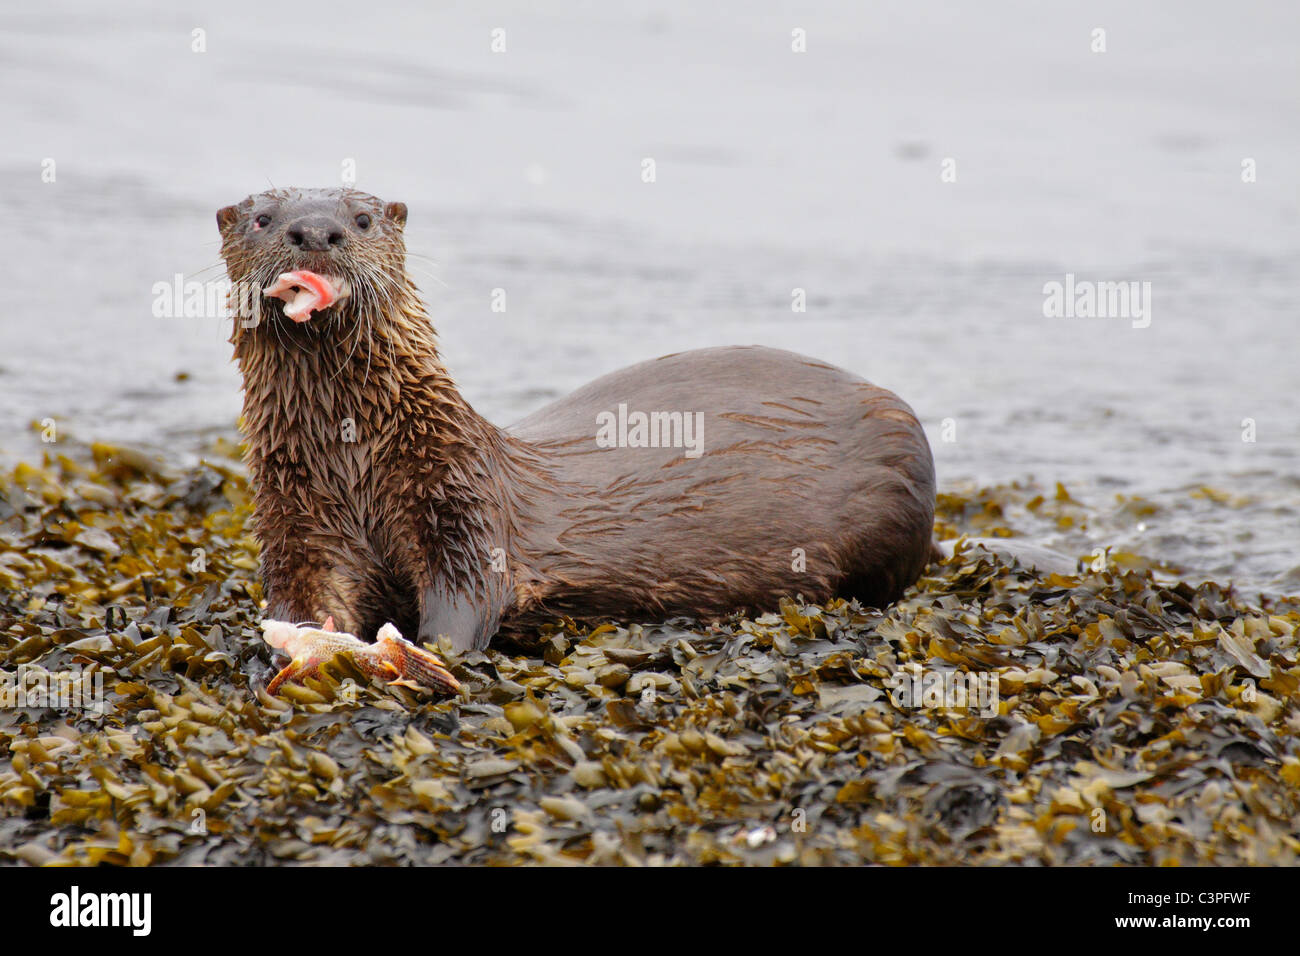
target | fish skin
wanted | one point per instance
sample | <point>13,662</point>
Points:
<point>392,657</point>
<point>314,293</point>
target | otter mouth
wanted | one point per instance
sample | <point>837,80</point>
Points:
<point>305,292</point>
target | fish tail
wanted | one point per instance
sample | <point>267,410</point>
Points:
<point>417,665</point>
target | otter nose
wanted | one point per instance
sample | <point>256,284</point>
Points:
<point>314,234</point>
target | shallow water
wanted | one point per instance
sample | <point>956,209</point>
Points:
<point>775,171</point>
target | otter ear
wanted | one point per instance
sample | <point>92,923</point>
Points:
<point>396,211</point>
<point>227,216</point>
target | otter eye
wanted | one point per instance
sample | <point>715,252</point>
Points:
<point>262,221</point>
<point>363,221</point>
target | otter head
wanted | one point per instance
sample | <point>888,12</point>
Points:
<point>300,253</point>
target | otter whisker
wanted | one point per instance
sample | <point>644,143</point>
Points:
<point>356,340</point>
<point>208,268</point>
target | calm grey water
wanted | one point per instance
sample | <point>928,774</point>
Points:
<point>775,171</point>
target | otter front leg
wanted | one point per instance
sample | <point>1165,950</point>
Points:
<point>302,584</point>
<point>469,621</point>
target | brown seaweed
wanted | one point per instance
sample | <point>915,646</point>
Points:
<point>1138,719</point>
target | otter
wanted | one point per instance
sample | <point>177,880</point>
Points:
<point>700,483</point>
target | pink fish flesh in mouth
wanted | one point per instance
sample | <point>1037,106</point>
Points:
<point>305,292</point>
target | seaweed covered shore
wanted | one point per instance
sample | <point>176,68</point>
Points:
<point>997,714</point>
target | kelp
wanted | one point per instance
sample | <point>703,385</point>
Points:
<point>1114,715</point>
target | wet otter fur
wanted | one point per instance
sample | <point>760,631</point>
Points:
<point>380,495</point>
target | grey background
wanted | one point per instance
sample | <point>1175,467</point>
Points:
<point>775,170</point>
